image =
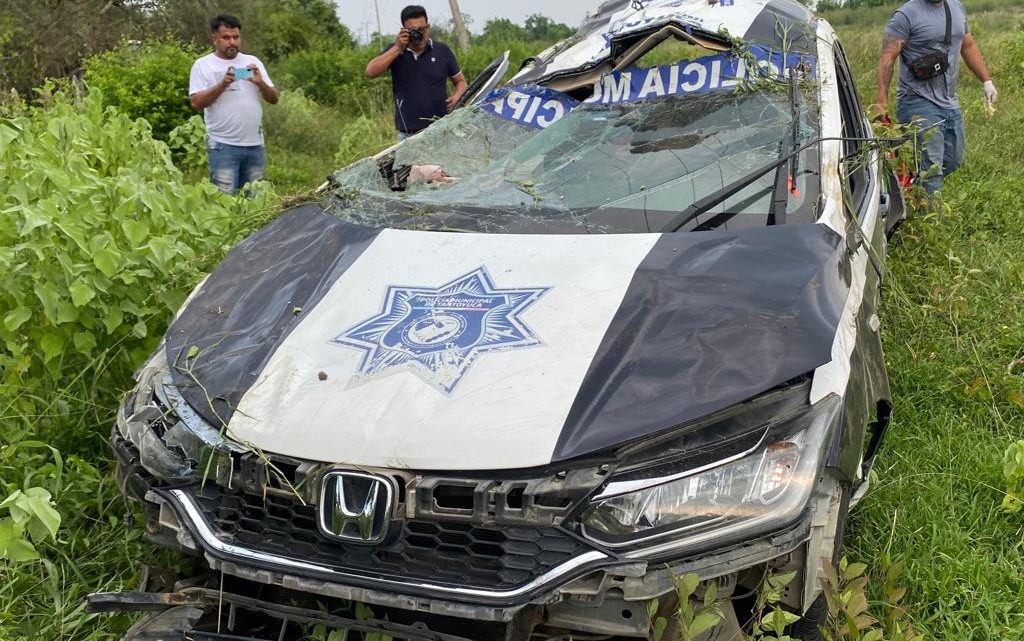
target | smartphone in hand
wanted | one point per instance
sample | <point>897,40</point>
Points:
<point>241,73</point>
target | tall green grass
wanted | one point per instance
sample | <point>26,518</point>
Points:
<point>952,327</point>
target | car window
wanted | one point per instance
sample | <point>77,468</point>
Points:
<point>616,167</point>
<point>855,165</point>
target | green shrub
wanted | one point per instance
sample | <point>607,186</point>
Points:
<point>335,76</point>
<point>478,57</point>
<point>282,27</point>
<point>298,122</point>
<point>303,135</point>
<point>338,76</point>
<point>316,73</point>
<point>187,142</point>
<point>31,519</point>
<point>101,237</point>
<point>148,81</point>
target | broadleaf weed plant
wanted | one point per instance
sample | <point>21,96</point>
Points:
<point>697,612</point>
<point>187,142</point>
<point>97,216</point>
<point>104,238</point>
<point>687,622</point>
<point>850,615</point>
<point>1013,470</point>
<point>770,619</point>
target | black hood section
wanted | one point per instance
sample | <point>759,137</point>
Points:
<point>252,301</point>
<point>710,319</point>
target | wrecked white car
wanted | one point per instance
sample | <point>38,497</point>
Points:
<point>610,323</point>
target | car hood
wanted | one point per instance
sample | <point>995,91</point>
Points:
<point>324,340</point>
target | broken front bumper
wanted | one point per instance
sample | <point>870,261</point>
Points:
<point>436,578</point>
<point>594,592</point>
<point>180,616</point>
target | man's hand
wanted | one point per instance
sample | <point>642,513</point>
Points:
<point>990,92</point>
<point>403,39</point>
<point>382,61</point>
<point>228,78</point>
<point>459,80</point>
<point>881,114</point>
<point>268,92</point>
<point>256,78</point>
<point>203,99</point>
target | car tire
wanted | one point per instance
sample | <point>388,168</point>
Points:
<point>807,628</point>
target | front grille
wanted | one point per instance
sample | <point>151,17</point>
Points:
<point>446,552</point>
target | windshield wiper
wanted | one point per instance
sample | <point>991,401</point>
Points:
<point>788,154</point>
<point>704,204</point>
<point>707,202</point>
<point>785,175</point>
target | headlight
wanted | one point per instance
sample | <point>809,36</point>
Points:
<point>759,490</point>
<point>169,447</point>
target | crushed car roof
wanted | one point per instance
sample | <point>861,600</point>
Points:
<point>782,24</point>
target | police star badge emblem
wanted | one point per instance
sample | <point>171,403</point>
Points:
<point>437,333</point>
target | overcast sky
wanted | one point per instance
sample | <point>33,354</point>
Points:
<point>354,13</point>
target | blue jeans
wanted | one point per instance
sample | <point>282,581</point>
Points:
<point>232,166</point>
<point>943,144</point>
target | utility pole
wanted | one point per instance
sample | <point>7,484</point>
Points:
<point>460,25</point>
<point>380,31</point>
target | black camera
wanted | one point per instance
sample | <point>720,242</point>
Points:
<point>415,36</point>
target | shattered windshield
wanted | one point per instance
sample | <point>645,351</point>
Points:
<point>541,162</point>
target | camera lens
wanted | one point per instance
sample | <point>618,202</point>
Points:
<point>415,36</point>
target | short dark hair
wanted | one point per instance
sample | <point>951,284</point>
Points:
<point>413,11</point>
<point>222,20</point>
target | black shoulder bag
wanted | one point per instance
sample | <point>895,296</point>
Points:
<point>935,63</point>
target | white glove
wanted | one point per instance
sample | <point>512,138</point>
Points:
<point>990,92</point>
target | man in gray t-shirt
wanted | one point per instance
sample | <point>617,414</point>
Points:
<point>917,29</point>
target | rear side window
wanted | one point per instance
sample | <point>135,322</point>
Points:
<point>855,165</point>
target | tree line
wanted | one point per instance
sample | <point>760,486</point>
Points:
<point>42,39</point>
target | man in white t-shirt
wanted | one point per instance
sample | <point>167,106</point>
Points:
<point>227,85</point>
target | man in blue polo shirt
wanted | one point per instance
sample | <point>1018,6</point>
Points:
<point>420,71</point>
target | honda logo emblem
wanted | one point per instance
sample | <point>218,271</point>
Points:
<point>355,506</point>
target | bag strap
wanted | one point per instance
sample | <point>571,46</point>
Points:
<point>949,24</point>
